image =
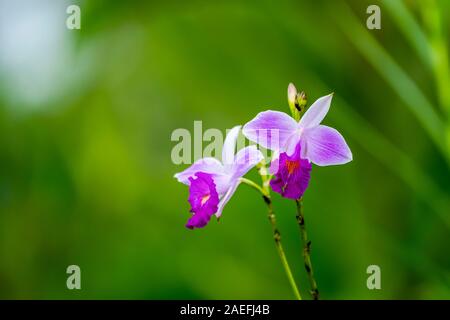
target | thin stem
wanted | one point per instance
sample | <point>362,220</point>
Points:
<point>276,233</point>
<point>306,249</point>
<point>277,238</point>
<point>252,184</point>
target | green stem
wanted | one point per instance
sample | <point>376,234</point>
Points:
<point>306,249</point>
<point>276,234</point>
<point>277,238</point>
<point>252,184</point>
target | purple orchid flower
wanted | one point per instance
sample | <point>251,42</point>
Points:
<point>212,183</point>
<point>298,143</point>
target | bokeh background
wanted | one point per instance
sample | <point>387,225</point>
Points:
<point>86,175</point>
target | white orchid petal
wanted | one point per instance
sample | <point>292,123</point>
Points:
<point>207,165</point>
<point>229,146</point>
<point>227,197</point>
<point>316,112</point>
<point>325,146</point>
<point>246,159</point>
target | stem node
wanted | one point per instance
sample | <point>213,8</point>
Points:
<point>306,250</point>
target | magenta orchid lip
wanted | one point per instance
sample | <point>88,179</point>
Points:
<point>203,198</point>
<point>293,174</point>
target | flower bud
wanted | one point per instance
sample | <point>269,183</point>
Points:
<point>292,101</point>
<point>292,94</point>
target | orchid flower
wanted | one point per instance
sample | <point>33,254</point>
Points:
<point>298,144</point>
<point>212,183</point>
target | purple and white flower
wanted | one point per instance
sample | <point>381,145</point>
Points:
<point>212,183</point>
<point>298,143</point>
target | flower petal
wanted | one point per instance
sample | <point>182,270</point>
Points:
<point>207,165</point>
<point>246,159</point>
<point>292,143</point>
<point>222,182</point>
<point>229,146</point>
<point>203,198</point>
<point>270,129</point>
<point>325,146</point>
<point>273,167</point>
<point>227,197</point>
<point>316,112</point>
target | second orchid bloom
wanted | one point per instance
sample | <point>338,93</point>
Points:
<point>212,183</point>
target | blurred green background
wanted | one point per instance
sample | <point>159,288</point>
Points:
<point>86,176</point>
